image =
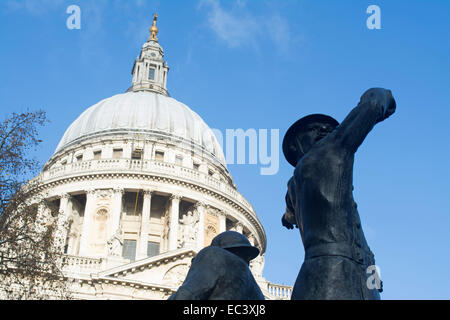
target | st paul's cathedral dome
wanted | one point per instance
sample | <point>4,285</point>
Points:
<point>142,185</point>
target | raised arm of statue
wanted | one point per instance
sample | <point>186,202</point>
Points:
<point>376,105</point>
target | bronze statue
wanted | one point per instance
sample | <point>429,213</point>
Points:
<point>221,271</point>
<point>319,200</point>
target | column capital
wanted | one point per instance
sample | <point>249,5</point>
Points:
<point>65,196</point>
<point>199,204</point>
<point>175,197</point>
<point>90,191</point>
<point>119,190</point>
<point>148,192</point>
<point>222,214</point>
<point>228,215</point>
<point>215,212</point>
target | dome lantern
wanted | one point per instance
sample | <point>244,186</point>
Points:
<point>149,69</point>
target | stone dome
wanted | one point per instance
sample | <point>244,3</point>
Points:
<point>142,186</point>
<point>143,112</point>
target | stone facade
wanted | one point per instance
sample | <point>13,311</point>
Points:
<point>140,202</point>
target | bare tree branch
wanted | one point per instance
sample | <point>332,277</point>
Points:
<point>30,258</point>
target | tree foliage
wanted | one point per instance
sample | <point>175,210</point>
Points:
<point>30,256</point>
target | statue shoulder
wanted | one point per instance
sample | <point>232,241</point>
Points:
<point>211,254</point>
<point>210,257</point>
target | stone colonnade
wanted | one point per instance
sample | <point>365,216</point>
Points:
<point>114,225</point>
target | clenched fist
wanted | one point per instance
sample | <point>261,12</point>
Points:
<point>382,97</point>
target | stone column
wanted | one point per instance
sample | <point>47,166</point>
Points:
<point>200,207</point>
<point>173,222</point>
<point>222,222</point>
<point>251,239</point>
<point>63,216</point>
<point>116,211</point>
<point>41,218</point>
<point>87,221</point>
<point>239,227</point>
<point>70,245</point>
<point>145,219</point>
<point>160,75</point>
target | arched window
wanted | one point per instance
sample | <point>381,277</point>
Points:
<point>151,73</point>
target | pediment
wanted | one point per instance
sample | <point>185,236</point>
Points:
<point>168,269</point>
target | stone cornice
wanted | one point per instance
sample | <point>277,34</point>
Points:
<point>135,284</point>
<point>148,263</point>
<point>93,279</point>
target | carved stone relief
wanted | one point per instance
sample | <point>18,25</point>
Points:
<point>175,276</point>
<point>188,226</point>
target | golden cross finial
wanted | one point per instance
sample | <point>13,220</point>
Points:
<point>154,29</point>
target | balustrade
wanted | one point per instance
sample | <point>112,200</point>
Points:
<point>279,291</point>
<point>158,167</point>
<point>77,264</point>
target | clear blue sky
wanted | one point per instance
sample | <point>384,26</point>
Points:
<point>264,64</point>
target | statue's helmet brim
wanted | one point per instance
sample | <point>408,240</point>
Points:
<point>289,140</point>
<point>237,243</point>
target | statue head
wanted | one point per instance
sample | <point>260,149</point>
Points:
<point>304,133</point>
<point>236,243</point>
